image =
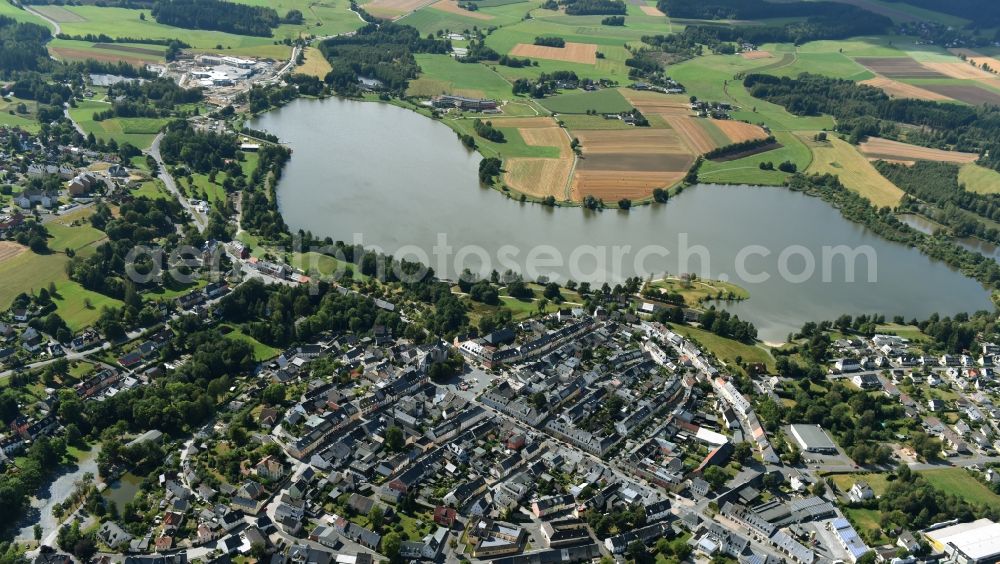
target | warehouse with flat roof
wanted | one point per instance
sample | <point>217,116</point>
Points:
<point>977,542</point>
<point>812,438</point>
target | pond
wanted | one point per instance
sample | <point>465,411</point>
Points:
<point>392,179</point>
<point>123,490</point>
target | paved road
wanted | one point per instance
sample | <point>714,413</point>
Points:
<point>57,28</point>
<point>154,150</point>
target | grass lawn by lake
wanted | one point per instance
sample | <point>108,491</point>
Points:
<point>958,481</point>
<point>727,350</point>
<point>697,291</point>
<point>839,157</point>
<point>747,170</point>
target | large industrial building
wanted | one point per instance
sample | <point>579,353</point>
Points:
<point>977,542</point>
<point>812,438</point>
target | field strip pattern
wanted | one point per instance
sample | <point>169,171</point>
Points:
<point>692,133</point>
<point>572,52</point>
<point>452,7</point>
<point>899,89</point>
<point>878,148</point>
<point>739,131</point>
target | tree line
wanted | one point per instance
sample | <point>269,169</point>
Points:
<point>741,147</point>
<point>951,204</point>
<point>217,15</point>
<point>383,52</point>
<point>863,110</point>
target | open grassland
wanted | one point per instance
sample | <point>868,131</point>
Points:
<point>876,480</point>
<point>394,8</point>
<point>726,350</point>
<point>898,89</point>
<point>124,22</point>
<point>27,272</point>
<point>979,179</point>
<point>838,157</point>
<point>878,148</point>
<point>131,53</point>
<point>320,17</point>
<point>261,352</point>
<point>867,522</point>
<point>958,482</point>
<point>442,74</point>
<point>747,169</point>
<point>430,19</point>
<point>604,101</point>
<point>713,78</point>
<point>315,64</point>
<point>137,131</point>
<point>10,117</point>
<point>73,231</point>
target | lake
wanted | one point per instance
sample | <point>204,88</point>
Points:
<point>392,179</point>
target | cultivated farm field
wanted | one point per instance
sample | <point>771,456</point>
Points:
<point>838,157</point>
<point>878,148</point>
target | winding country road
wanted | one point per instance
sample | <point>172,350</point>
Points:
<point>57,28</point>
<point>154,150</point>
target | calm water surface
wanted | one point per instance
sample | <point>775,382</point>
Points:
<point>390,178</point>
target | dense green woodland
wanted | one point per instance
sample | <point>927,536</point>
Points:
<point>980,13</point>
<point>380,51</point>
<point>953,206</point>
<point>751,9</point>
<point>22,46</point>
<point>216,15</point>
<point>863,110</point>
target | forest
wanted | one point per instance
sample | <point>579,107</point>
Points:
<point>22,46</point>
<point>863,110</point>
<point>199,151</point>
<point>383,52</point>
<point>981,14</point>
<point>216,15</point>
<point>937,184</point>
<point>753,9</point>
<point>594,7</point>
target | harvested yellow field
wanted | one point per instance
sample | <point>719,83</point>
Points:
<point>878,148</point>
<point>613,185</point>
<point>523,122</point>
<point>978,58</point>
<point>572,52</point>
<point>452,7</point>
<point>538,177</point>
<point>656,103</point>
<point>636,140</point>
<point>394,8</point>
<point>10,249</point>
<point>547,137</point>
<point>652,11</point>
<point>692,133</point>
<point>963,71</point>
<point>738,131</point>
<point>315,64</point>
<point>855,171</point>
<point>754,55</point>
<point>899,89</point>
